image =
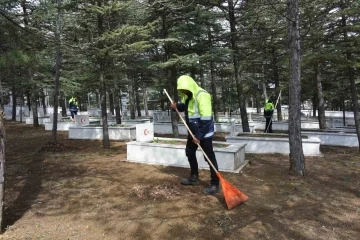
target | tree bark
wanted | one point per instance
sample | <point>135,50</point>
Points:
<point>42,97</point>
<point>2,167</point>
<point>171,78</point>
<point>320,99</point>
<point>277,83</point>
<point>173,89</point>
<point>137,99</point>
<point>314,103</point>
<point>297,160</point>
<point>146,109</point>
<point>1,95</point>
<point>351,74</point>
<point>28,97</point>
<point>111,102</point>
<point>63,104</point>
<point>106,140</point>
<point>13,95</point>
<point>97,99</point>
<point>132,99</point>
<point>264,89</point>
<point>213,90</point>
<point>34,108</point>
<point>101,59</point>
<point>57,73</point>
<point>117,104</point>
<point>236,62</point>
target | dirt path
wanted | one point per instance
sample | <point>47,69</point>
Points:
<point>85,192</point>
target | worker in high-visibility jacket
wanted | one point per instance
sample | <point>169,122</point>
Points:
<point>196,103</point>
<point>268,113</point>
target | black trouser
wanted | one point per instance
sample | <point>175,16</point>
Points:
<point>206,145</point>
<point>268,126</point>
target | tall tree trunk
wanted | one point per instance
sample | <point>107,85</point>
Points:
<point>2,167</point>
<point>258,105</point>
<point>351,74</point>
<point>264,89</point>
<point>314,104</point>
<point>277,82</point>
<point>97,99</point>
<point>202,78</point>
<point>173,90</point>
<point>101,59</point>
<point>213,82</point>
<point>117,103</point>
<point>111,102</point>
<point>13,95</point>
<point>63,104</point>
<point>132,99</point>
<point>57,73</point>
<point>223,95</point>
<point>320,99</point>
<point>171,78</point>
<point>1,97</point>
<point>22,101</point>
<point>213,90</point>
<point>297,160</point>
<point>28,97</point>
<point>106,140</point>
<point>236,62</point>
<point>146,109</point>
<point>137,98</point>
<point>42,97</point>
<point>343,112</point>
<point>34,108</point>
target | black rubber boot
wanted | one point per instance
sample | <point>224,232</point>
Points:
<point>211,189</point>
<point>192,180</point>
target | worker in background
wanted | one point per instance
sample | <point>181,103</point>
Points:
<point>73,105</point>
<point>268,113</point>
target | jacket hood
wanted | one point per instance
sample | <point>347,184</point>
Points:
<point>187,83</point>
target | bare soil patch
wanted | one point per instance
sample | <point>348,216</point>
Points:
<point>86,192</point>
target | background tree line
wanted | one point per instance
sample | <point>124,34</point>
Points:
<point>233,48</point>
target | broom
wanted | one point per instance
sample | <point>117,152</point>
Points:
<point>233,196</point>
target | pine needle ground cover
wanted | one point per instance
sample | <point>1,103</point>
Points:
<point>74,189</point>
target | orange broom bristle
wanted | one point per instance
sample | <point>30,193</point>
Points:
<point>233,196</point>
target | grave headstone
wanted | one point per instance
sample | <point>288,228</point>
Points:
<point>232,128</point>
<point>82,120</point>
<point>83,113</point>
<point>144,132</point>
<point>156,117</point>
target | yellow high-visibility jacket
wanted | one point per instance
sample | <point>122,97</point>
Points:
<point>197,108</point>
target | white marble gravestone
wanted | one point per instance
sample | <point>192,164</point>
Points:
<point>144,132</point>
<point>232,128</point>
<point>82,120</point>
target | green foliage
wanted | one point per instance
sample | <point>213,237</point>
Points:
<point>140,42</point>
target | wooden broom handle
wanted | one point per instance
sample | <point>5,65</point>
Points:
<point>192,135</point>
